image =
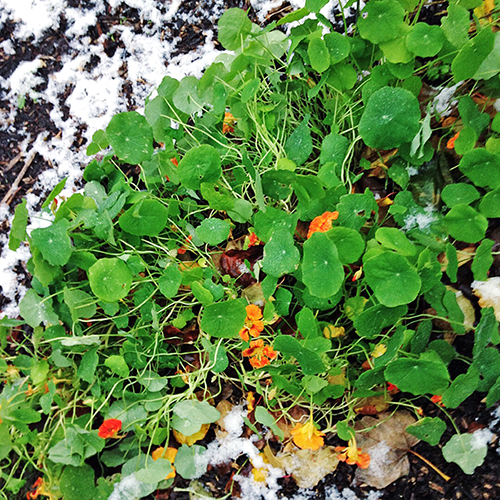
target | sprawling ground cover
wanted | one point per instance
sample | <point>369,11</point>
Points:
<point>272,249</point>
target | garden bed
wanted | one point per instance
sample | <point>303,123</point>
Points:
<point>297,248</point>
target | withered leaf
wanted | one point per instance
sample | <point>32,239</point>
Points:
<point>175,336</point>
<point>232,263</point>
<point>387,443</point>
<point>307,467</point>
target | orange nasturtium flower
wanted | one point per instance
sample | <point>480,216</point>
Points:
<point>253,323</point>
<point>168,454</point>
<point>451,143</point>
<point>228,123</point>
<point>307,437</point>
<point>183,248</point>
<point>110,428</point>
<point>260,354</point>
<point>351,454</point>
<point>36,489</point>
<point>437,400</point>
<point>322,223</point>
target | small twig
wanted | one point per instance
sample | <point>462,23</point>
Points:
<point>442,474</point>
<point>10,193</point>
<point>13,161</point>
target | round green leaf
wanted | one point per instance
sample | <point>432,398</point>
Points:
<point>373,320</point>
<point>322,271</point>
<point>338,46</point>
<point>396,240</point>
<point>381,21</point>
<point>54,243</point>
<point>77,483</point>
<point>170,281</point>
<point>350,244</point>
<point>425,40</point>
<point>490,204</point>
<point>118,365</point>
<point>110,279</point>
<point>213,231</point>
<point>146,218</point>
<point>131,137</point>
<point>465,141</point>
<point>481,167</point>
<point>391,118</point>
<point>418,376</point>
<point>429,429</point>
<point>225,319</point>
<point>396,50</point>
<point>466,451</point>
<point>459,194</point>
<point>319,56</point>
<point>201,164</point>
<point>281,256</point>
<point>234,26</point>
<point>465,224</point>
<point>394,281</point>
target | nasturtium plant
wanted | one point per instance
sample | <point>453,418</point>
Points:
<point>213,231</point>
<point>390,119</point>
<point>425,40</point>
<point>130,137</point>
<point>110,279</point>
<point>381,21</point>
<point>285,223</point>
<point>392,278</point>
<point>224,319</point>
<point>322,271</point>
<point>465,224</point>
<point>201,164</point>
<point>145,218</point>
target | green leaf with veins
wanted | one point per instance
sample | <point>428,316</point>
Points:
<point>281,256</point>
<point>131,137</point>
<point>54,243</point>
<point>322,271</point>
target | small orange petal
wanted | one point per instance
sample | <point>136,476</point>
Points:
<point>451,142</point>
<point>253,312</point>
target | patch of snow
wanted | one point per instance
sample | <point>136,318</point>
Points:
<point>419,219</point>
<point>443,102</point>
<point>24,79</point>
<point>129,488</point>
<point>7,47</point>
<point>482,438</point>
<point>33,17</point>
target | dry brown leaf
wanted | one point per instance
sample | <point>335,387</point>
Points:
<point>224,407</point>
<point>307,467</point>
<point>373,404</point>
<point>387,443</point>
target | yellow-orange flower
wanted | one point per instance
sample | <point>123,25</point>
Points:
<point>260,354</point>
<point>451,143</point>
<point>351,454</point>
<point>169,454</point>
<point>193,438</point>
<point>307,437</point>
<point>253,323</point>
<point>322,223</point>
<point>228,123</point>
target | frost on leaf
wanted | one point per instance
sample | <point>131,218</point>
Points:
<point>387,443</point>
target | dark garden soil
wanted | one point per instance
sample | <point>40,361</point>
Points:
<point>422,482</point>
